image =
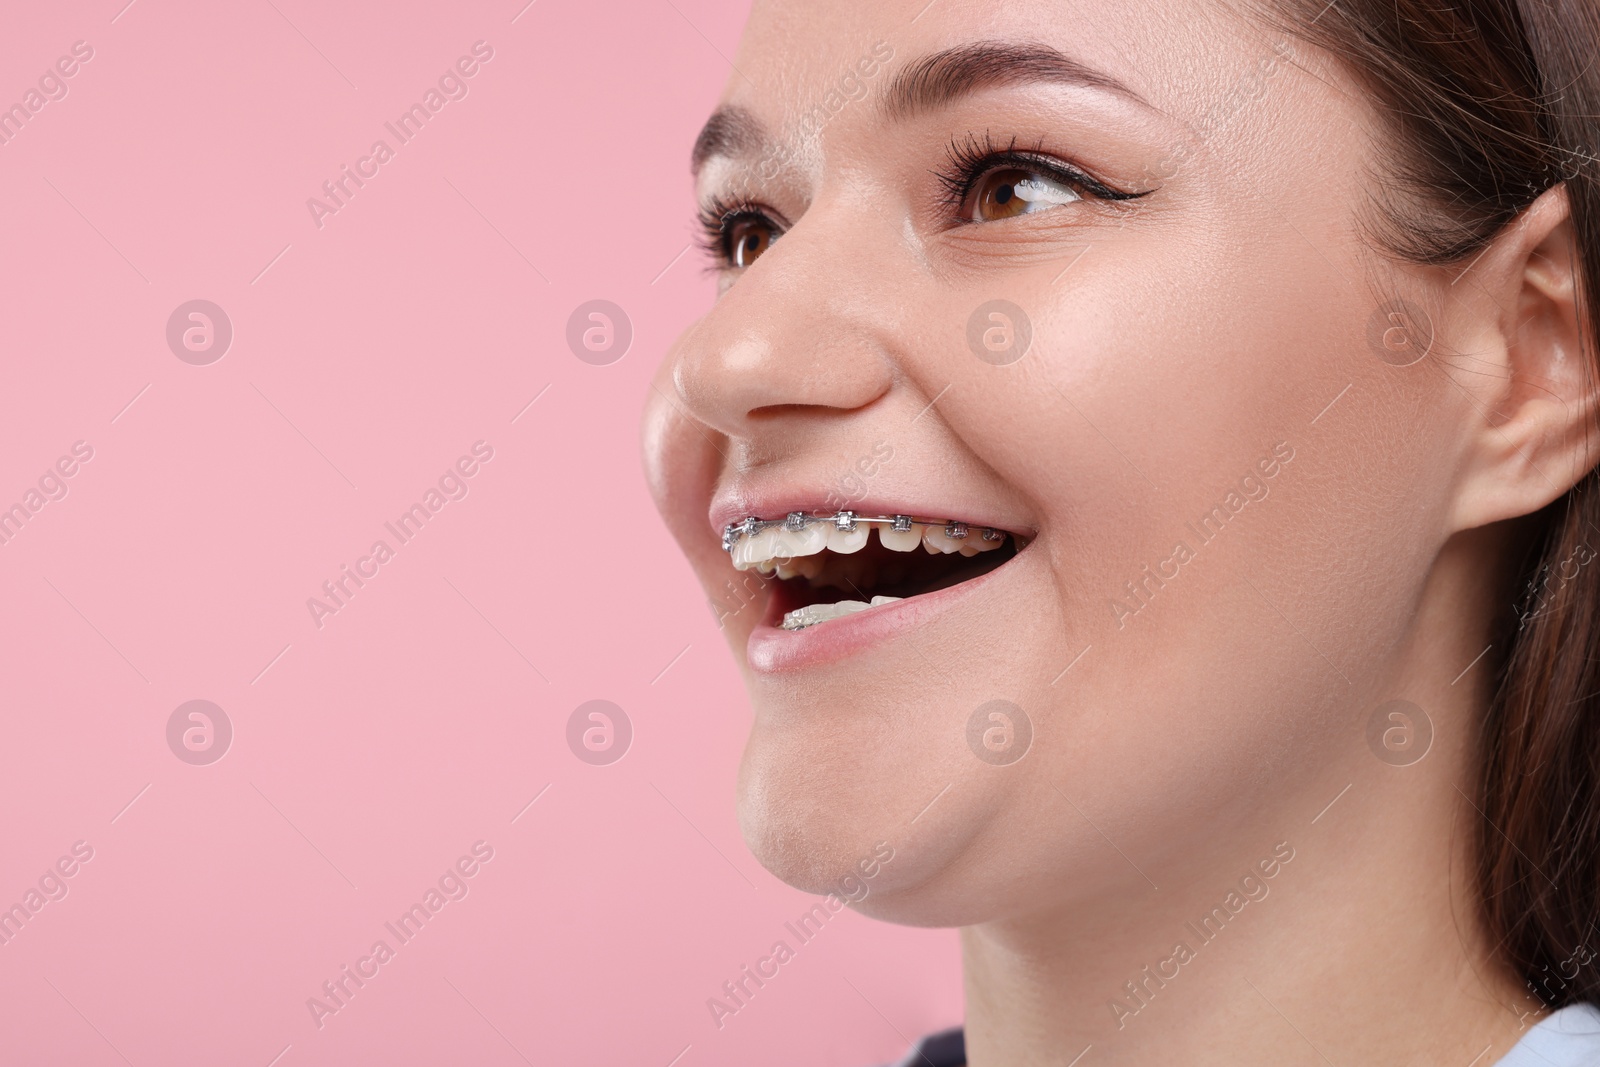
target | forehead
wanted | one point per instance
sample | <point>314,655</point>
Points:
<point>801,60</point>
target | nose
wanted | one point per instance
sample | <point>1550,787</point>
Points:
<point>795,336</point>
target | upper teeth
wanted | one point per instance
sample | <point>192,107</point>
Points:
<point>782,545</point>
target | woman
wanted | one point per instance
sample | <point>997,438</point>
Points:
<point>1143,460</point>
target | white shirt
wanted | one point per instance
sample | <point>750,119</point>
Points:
<point>1566,1038</point>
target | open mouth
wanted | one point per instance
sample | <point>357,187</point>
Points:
<point>834,565</point>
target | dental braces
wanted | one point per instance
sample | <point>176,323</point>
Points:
<point>848,521</point>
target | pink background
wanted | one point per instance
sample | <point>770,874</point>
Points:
<point>370,753</point>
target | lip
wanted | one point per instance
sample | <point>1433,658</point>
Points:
<point>773,650</point>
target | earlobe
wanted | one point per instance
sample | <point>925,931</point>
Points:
<point>1536,435</point>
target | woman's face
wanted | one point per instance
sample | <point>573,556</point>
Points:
<point>1092,275</point>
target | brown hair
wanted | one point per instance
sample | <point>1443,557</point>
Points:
<point>1490,103</point>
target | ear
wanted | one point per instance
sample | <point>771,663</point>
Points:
<point>1532,385</point>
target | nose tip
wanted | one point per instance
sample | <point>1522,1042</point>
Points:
<point>752,359</point>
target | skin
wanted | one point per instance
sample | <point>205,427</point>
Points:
<point>1177,339</point>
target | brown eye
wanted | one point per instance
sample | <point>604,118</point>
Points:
<point>747,238</point>
<point>1010,191</point>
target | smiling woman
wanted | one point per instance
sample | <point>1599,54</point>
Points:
<point>1360,236</point>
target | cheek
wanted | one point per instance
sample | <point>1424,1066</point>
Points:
<point>681,466</point>
<point>1129,424</point>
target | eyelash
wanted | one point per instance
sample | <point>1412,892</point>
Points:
<point>967,162</point>
<point>716,222</point>
<point>972,159</point>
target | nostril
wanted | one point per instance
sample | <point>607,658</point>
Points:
<point>782,411</point>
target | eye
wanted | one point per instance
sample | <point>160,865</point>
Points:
<point>746,238</point>
<point>986,182</point>
<point>735,235</point>
<point>1010,191</point>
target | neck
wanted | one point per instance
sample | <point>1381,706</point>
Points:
<point>1327,960</point>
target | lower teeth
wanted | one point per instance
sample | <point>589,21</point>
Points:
<point>811,614</point>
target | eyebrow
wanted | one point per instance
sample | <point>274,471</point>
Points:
<point>932,82</point>
<point>939,79</point>
<point>730,131</point>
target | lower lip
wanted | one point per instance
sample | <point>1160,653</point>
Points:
<point>774,650</point>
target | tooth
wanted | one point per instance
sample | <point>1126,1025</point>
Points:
<point>984,544</point>
<point>901,540</point>
<point>970,550</point>
<point>755,548</point>
<point>879,601</point>
<point>798,619</point>
<point>847,541</point>
<point>812,614</point>
<point>741,555</point>
<point>806,542</point>
<point>799,566</point>
<point>934,539</point>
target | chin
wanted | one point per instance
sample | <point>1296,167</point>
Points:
<point>842,807</point>
<point>806,823</point>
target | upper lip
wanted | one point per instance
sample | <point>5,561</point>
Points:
<point>729,508</point>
